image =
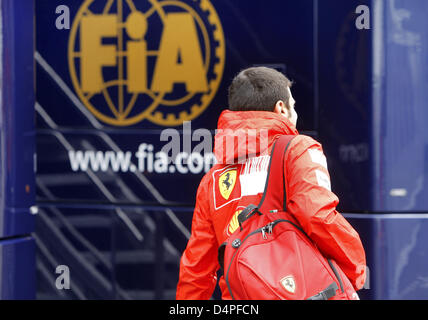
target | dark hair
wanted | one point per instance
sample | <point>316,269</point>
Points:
<point>258,89</point>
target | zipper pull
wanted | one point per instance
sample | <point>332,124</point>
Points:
<point>270,227</point>
<point>264,233</point>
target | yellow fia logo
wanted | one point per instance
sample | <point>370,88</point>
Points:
<point>153,60</point>
<point>226,183</point>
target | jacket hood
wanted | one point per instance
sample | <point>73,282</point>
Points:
<point>246,134</point>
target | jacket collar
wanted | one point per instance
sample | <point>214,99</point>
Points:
<point>245,134</point>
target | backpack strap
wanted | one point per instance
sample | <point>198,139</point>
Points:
<point>275,195</point>
<point>327,293</point>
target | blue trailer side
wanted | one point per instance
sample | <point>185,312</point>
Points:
<point>373,93</point>
<point>17,151</point>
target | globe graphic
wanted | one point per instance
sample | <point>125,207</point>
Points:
<point>113,104</point>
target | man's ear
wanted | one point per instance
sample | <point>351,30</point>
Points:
<point>280,108</point>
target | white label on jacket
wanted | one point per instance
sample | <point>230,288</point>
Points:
<point>323,180</point>
<point>318,157</point>
<point>253,176</point>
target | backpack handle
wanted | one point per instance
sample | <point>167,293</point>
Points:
<point>247,213</point>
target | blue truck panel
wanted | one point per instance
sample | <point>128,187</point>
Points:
<point>17,128</point>
<point>344,70</point>
<point>399,104</point>
<point>18,269</point>
<point>396,255</point>
<point>17,150</point>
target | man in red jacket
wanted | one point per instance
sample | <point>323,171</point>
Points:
<point>262,109</point>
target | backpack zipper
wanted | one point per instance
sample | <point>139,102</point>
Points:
<point>268,229</point>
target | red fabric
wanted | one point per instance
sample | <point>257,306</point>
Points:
<point>278,262</point>
<point>221,196</point>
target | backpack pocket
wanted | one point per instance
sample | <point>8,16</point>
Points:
<point>278,262</point>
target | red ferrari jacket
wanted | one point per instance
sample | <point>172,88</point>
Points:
<point>242,148</point>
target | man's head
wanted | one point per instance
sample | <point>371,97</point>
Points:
<point>262,89</point>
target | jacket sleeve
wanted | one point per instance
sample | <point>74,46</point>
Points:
<point>198,266</point>
<point>311,202</point>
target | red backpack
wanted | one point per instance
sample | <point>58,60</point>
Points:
<point>270,257</point>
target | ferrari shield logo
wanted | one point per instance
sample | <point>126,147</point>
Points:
<point>289,284</point>
<point>226,183</point>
